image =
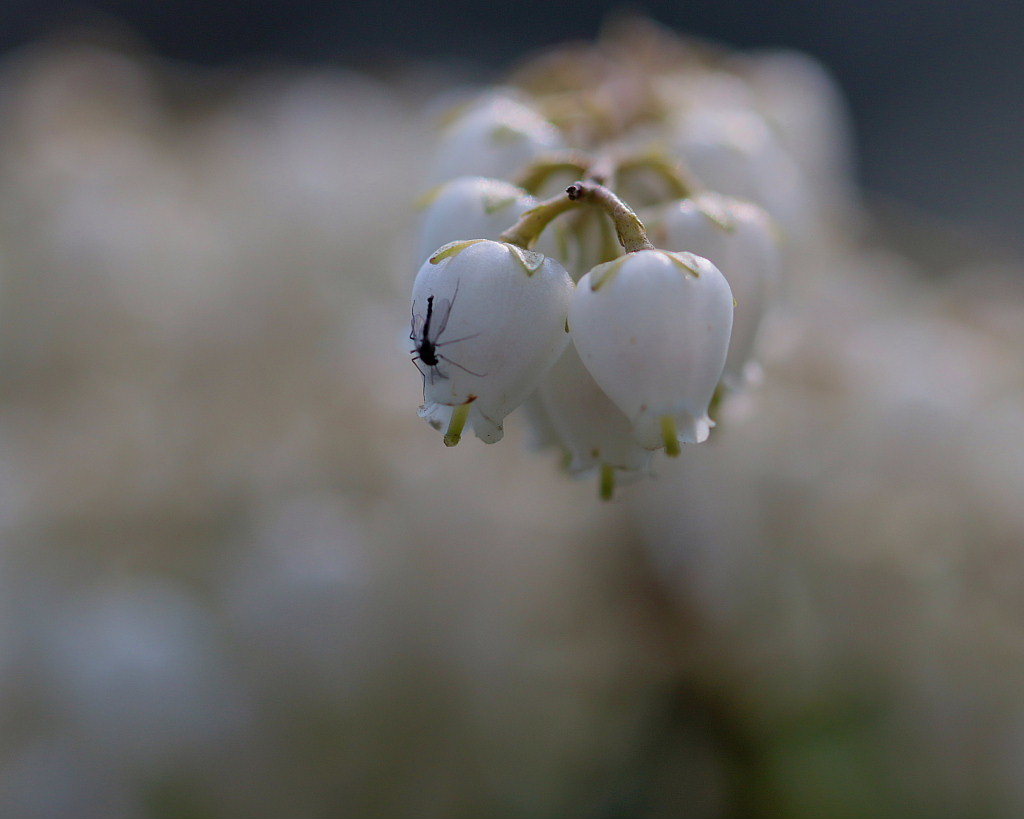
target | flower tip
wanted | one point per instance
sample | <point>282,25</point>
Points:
<point>489,433</point>
<point>453,434</point>
<point>702,429</point>
<point>606,485</point>
<point>670,437</point>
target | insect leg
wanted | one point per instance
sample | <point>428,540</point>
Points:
<point>466,369</point>
<point>455,340</point>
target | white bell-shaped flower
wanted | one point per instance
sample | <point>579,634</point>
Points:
<point>469,207</point>
<point>488,320</point>
<point>738,237</point>
<point>733,150</point>
<point>808,114</point>
<point>497,137</point>
<point>593,431</point>
<point>692,89</point>
<point>540,431</point>
<point>653,329</point>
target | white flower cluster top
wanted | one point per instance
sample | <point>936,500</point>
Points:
<point>541,286</point>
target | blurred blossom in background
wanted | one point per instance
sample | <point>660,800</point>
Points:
<point>240,578</point>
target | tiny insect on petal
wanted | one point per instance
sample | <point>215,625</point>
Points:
<point>489,332</point>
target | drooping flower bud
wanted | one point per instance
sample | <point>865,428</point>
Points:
<point>540,431</point>
<point>488,320</point>
<point>653,327</point>
<point>807,112</point>
<point>496,137</point>
<point>737,236</point>
<point>469,207</point>
<point>588,425</point>
<point>733,150</point>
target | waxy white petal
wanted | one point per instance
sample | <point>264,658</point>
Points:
<point>469,207</point>
<point>498,318</point>
<point>738,237</point>
<point>732,150</point>
<point>497,137</point>
<point>653,329</point>
<point>588,425</point>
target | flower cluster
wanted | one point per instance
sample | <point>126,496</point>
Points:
<point>619,335</point>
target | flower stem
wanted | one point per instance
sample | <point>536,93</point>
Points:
<point>630,230</point>
<point>525,232</point>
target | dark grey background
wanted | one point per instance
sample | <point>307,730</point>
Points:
<point>934,85</point>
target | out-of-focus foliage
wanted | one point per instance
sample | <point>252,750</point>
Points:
<point>239,577</point>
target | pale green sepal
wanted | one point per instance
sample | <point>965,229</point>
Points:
<point>492,204</point>
<point>679,259</point>
<point>531,260</point>
<point>425,200</point>
<point>506,133</point>
<point>609,270</point>
<point>713,209</point>
<point>453,249</point>
<point>452,115</point>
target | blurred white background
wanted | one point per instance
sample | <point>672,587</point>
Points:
<point>240,578</point>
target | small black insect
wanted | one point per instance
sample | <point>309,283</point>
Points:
<point>426,347</point>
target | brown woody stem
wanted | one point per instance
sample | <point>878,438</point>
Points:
<point>628,227</point>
